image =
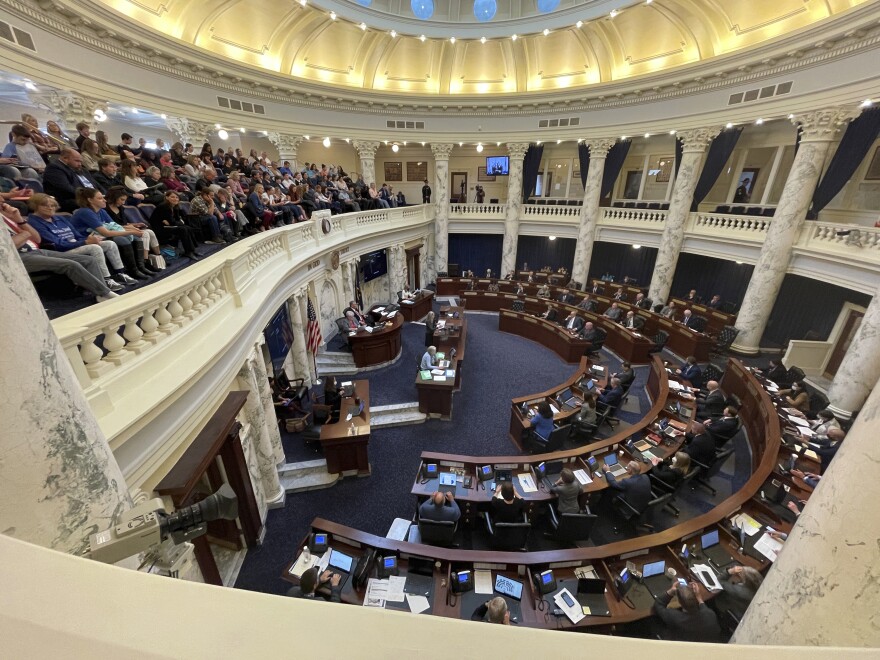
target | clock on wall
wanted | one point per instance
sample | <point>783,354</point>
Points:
<point>326,227</point>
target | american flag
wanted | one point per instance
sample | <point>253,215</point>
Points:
<point>314,330</point>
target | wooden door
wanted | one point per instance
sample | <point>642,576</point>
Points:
<point>850,328</point>
<point>458,192</point>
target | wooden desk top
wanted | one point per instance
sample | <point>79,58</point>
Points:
<point>341,430</point>
<point>390,327</point>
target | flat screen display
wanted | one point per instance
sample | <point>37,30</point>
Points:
<point>611,459</point>
<point>497,165</point>
<point>390,562</point>
<point>373,265</point>
<point>547,577</point>
<point>709,539</point>
<point>654,568</point>
<point>320,538</point>
<point>341,561</point>
<point>508,587</point>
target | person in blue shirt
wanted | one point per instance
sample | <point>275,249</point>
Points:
<point>612,396</point>
<point>57,233</point>
<point>428,362</point>
<point>691,372</point>
<point>542,420</point>
<point>91,217</point>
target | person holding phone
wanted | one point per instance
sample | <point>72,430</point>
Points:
<point>694,621</point>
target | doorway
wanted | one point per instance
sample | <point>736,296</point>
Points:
<point>458,193</point>
<point>850,327</point>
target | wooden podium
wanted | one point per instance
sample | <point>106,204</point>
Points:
<point>344,449</point>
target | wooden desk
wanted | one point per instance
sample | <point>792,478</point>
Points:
<point>346,451</point>
<point>377,347</point>
<point>418,307</point>
<point>715,318</point>
<point>435,397</point>
<point>546,333</point>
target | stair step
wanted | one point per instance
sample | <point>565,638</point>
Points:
<point>335,358</point>
<point>395,407</point>
<point>310,481</point>
<point>399,414</point>
<point>303,467</point>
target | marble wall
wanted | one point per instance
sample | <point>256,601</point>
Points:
<point>377,291</point>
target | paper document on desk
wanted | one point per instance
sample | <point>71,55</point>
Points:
<point>675,385</point>
<point>582,477</point>
<point>749,524</point>
<point>574,612</point>
<point>440,379</point>
<point>554,409</point>
<point>527,483</point>
<point>438,372</point>
<point>800,421</point>
<point>483,582</point>
<point>792,411</point>
<point>586,572</point>
<point>407,302</point>
<point>302,564</point>
<point>707,576</point>
<point>379,310</point>
<point>807,433</point>
<point>376,592</point>
<point>450,372</point>
<point>396,584</point>
<point>417,604</point>
<point>768,546</point>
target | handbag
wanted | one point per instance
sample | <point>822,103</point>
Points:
<point>158,261</point>
<point>169,253</point>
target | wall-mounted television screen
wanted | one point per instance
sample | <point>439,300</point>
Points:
<point>496,165</point>
<point>373,265</point>
<point>279,338</point>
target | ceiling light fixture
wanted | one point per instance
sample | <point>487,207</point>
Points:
<point>636,247</point>
<point>422,38</point>
<point>216,125</point>
<point>326,142</point>
<point>303,2</point>
<point>514,37</point>
<point>241,130</point>
<point>404,143</point>
<point>558,141</point>
<point>363,26</point>
<point>759,121</point>
<point>552,238</point>
<point>305,137</point>
<point>647,135</point>
<point>479,147</point>
<point>134,111</point>
<point>579,24</point>
<point>267,133</point>
<point>452,40</point>
<point>867,103</point>
<point>672,132</point>
<point>497,144</point>
<point>482,40</point>
<point>614,13</point>
<point>348,140</point>
<point>222,134</point>
<point>100,115</point>
<point>538,142</point>
<point>30,86</point>
<point>163,116</point>
<point>729,125</point>
<point>332,15</point>
<point>393,33</point>
<point>546,31</point>
<point>461,144</point>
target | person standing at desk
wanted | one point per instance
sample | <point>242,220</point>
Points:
<point>694,622</point>
<point>507,506</point>
<point>542,420</point>
<point>428,362</point>
<point>309,582</point>
<point>430,327</point>
<point>440,508</point>
<point>567,490</point>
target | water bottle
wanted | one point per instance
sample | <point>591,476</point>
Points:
<point>307,555</point>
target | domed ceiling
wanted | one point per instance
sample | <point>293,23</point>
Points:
<point>526,46</point>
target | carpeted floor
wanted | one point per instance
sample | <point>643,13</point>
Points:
<point>499,367</point>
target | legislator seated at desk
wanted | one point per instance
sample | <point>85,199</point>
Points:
<point>633,321</point>
<point>635,489</point>
<point>615,313</point>
<point>694,621</point>
<point>587,304</point>
<point>715,303</point>
<point>356,310</point>
<point>567,490</point>
<point>669,311</point>
<point>310,582</point>
<point>591,333</point>
<point>641,302</point>
<point>672,471</point>
<point>700,445</point>
<point>550,314</point>
<point>626,375</point>
<point>692,298</point>
<point>721,430</point>
<point>507,506</point>
<point>567,297</point>
<point>691,372</point>
<point>542,420</point>
<point>613,395</point>
<point>405,293</point>
<point>440,507</point>
<point>429,359</point>
<point>493,611</point>
<point>739,584</point>
<point>573,323</point>
<point>688,320</point>
<point>519,291</point>
<point>713,404</point>
<point>351,322</point>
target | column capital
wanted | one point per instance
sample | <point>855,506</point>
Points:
<point>517,149</point>
<point>599,146</point>
<point>697,139</point>
<point>441,151</point>
<point>69,108</point>
<point>284,142</point>
<point>189,130</point>
<point>366,148</point>
<point>823,125</point>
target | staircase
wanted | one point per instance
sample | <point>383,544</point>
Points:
<point>307,475</point>
<point>336,364</point>
<point>397,414</point>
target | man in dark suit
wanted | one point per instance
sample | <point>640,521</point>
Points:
<point>309,583</point>
<point>692,296</point>
<point>63,176</point>
<point>355,309</point>
<point>614,312</point>
<point>612,396</point>
<point>590,333</point>
<point>828,446</point>
<point>642,302</point>
<point>573,323</point>
<point>721,430</point>
<point>597,288</point>
<point>776,372</point>
<point>626,375</point>
<point>620,294</point>
<point>687,319</point>
<point>713,405</point>
<point>633,321</point>
<point>587,304</point>
<point>715,303</point>
<point>691,372</point>
<point>693,621</point>
<point>440,508</point>
<point>567,297</point>
<point>636,489</point>
<point>700,445</point>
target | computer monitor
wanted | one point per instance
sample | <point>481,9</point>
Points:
<point>654,568</point>
<point>610,459</point>
<point>709,539</point>
<point>564,395</point>
<point>508,587</point>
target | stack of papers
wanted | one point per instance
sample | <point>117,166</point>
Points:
<point>483,582</point>
<point>574,612</point>
<point>381,591</point>
<point>527,483</point>
<point>749,524</point>
<point>438,372</point>
<point>582,477</point>
<point>582,572</point>
<point>768,546</point>
<point>800,421</point>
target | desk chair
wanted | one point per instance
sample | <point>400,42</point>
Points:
<point>729,622</point>
<point>437,532</point>
<point>660,340</point>
<point>582,430</point>
<point>699,323</point>
<point>342,326</point>
<point>708,471</point>
<point>818,401</point>
<point>794,373</point>
<point>643,519</point>
<point>571,527</point>
<point>606,415</point>
<point>596,346</point>
<point>725,339</point>
<point>508,536</point>
<point>711,372</point>
<point>519,306</point>
<point>658,308</point>
<point>659,486</point>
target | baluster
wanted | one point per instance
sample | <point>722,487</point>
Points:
<point>203,294</point>
<point>115,346</point>
<point>197,305</point>
<point>134,335</point>
<point>150,326</point>
<point>92,357</point>
<point>187,305</point>
<point>213,296</point>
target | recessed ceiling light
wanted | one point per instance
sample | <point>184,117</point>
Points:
<point>461,144</point>
<point>216,125</point>
<point>867,103</point>
<point>393,33</point>
<point>305,137</point>
<point>514,37</point>
<point>636,247</point>
<point>538,142</point>
<point>497,144</point>
<point>759,121</point>
<point>452,40</point>
<point>267,133</point>
<point>558,141</point>
<point>134,111</point>
<point>672,132</point>
<point>164,116</point>
<point>223,135</point>
<point>552,238</point>
<point>423,144</point>
<point>546,31</point>
<point>614,13</point>
<point>386,142</point>
<point>422,38</point>
<point>303,2</point>
<point>648,2</point>
<point>647,135</point>
<point>326,142</point>
<point>30,86</point>
<point>363,26</point>
<point>332,15</point>
<point>579,24</point>
<point>404,143</point>
<point>482,40</point>
<point>395,148</point>
<point>241,130</point>
<point>622,137</point>
<point>479,148</point>
<point>729,125</point>
<point>791,116</point>
<point>348,140</point>
<point>739,262</point>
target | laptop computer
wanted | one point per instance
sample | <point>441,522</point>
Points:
<point>566,400</point>
<point>511,590</point>
<point>591,594</point>
<point>654,577</point>
<point>447,483</point>
<point>551,473</point>
<point>613,466</point>
<point>713,551</point>
<point>342,563</point>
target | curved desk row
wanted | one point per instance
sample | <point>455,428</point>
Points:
<point>764,431</point>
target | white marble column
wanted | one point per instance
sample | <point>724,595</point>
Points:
<point>823,588</point>
<point>517,151</point>
<point>694,145</point>
<point>860,367</point>
<point>440,193</point>
<point>367,153</point>
<point>286,145</point>
<point>397,269</point>
<point>259,423</point>
<point>300,354</point>
<point>347,281</point>
<point>59,480</point>
<point>819,131</point>
<point>589,215</point>
<point>265,391</point>
<point>423,263</point>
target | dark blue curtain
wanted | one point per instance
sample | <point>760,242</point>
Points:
<point>807,307</point>
<point>476,252</point>
<point>613,165</point>
<point>531,166</point>
<point>584,160</point>
<point>856,141</point>
<point>711,276</point>
<point>622,260</point>
<point>540,251</point>
<point>679,150</point>
<point>719,153</point>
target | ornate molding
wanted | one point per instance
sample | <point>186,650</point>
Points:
<point>68,107</point>
<point>187,130</point>
<point>823,125</point>
<point>599,147</point>
<point>517,150</point>
<point>366,148</point>
<point>698,139</point>
<point>441,150</point>
<point>285,143</point>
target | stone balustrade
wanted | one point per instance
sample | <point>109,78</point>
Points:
<point>477,211</point>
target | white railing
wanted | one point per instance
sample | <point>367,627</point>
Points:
<point>823,235</point>
<point>654,218</point>
<point>138,353</point>
<point>720,222</point>
<point>483,211</point>
<point>533,211</point>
